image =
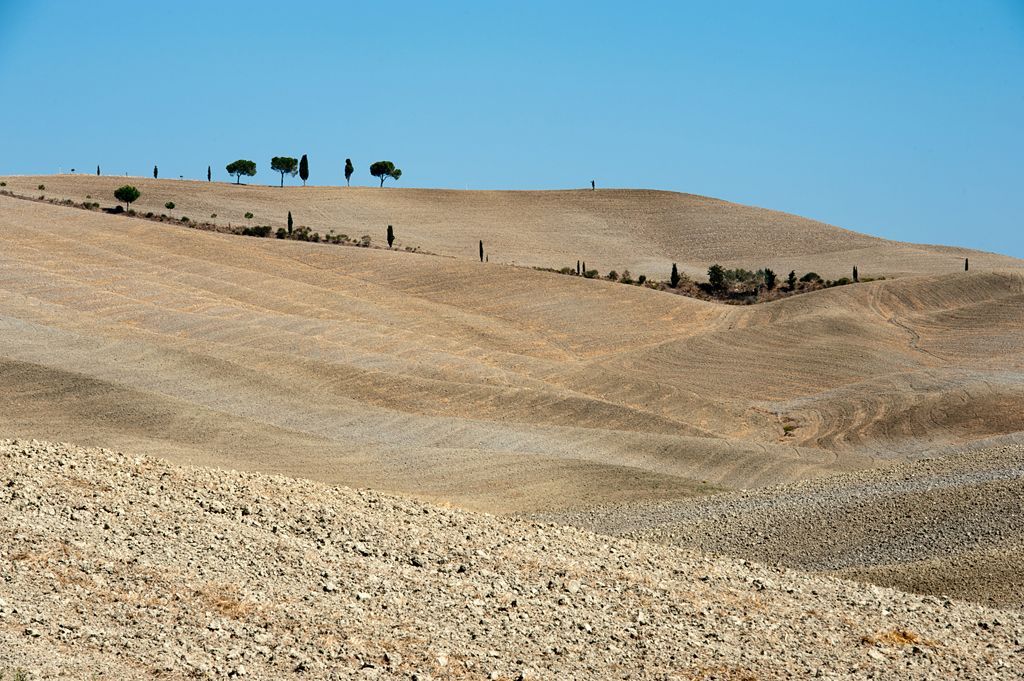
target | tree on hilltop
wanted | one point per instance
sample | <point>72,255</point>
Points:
<point>156,173</point>
<point>209,174</point>
<point>283,165</point>
<point>289,222</point>
<point>856,274</point>
<point>304,169</point>
<point>349,169</point>
<point>674,281</point>
<point>241,167</point>
<point>391,235</point>
<point>384,170</point>
<point>128,194</point>
<point>97,170</point>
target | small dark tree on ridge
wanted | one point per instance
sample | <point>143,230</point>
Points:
<point>156,173</point>
<point>791,280</point>
<point>241,167</point>
<point>716,277</point>
<point>283,165</point>
<point>481,248</point>
<point>674,281</point>
<point>967,265</point>
<point>97,170</point>
<point>289,222</point>
<point>128,194</point>
<point>384,170</point>
<point>349,169</point>
<point>209,174</point>
<point>856,274</point>
<point>391,236</point>
<point>303,169</point>
<point>769,279</point>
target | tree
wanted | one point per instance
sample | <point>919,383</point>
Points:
<point>856,276</point>
<point>391,236</point>
<point>716,277</point>
<point>156,172</point>
<point>289,222</point>
<point>384,170</point>
<point>97,170</point>
<point>967,265</point>
<point>241,167</point>
<point>769,279</point>
<point>127,193</point>
<point>349,169</point>
<point>481,245</point>
<point>791,280</point>
<point>577,268</point>
<point>674,281</point>
<point>169,205</point>
<point>209,174</point>
<point>303,169</point>
<point>284,164</point>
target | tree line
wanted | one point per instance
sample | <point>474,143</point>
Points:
<point>288,165</point>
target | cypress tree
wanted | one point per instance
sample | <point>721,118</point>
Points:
<point>156,173</point>
<point>209,174</point>
<point>967,265</point>
<point>577,268</point>
<point>289,222</point>
<point>856,276</point>
<point>481,250</point>
<point>391,236</point>
<point>791,280</point>
<point>349,169</point>
<point>674,281</point>
<point>304,169</point>
<point>97,170</point>
<point>584,268</point>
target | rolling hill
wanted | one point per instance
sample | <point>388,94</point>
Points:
<point>488,386</point>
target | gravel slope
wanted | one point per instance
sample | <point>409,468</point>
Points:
<point>951,526</point>
<point>120,567</point>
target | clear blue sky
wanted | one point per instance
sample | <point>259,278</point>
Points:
<point>902,119</point>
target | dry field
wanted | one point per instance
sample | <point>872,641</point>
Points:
<point>505,389</point>
<point>488,386</point>
<point>644,231</point>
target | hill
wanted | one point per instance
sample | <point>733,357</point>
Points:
<point>124,565</point>
<point>492,387</point>
<point>644,231</point>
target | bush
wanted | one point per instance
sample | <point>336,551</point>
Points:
<point>42,187</point>
<point>810,277</point>
<point>567,270</point>
<point>149,215</point>
<point>626,277</point>
<point>184,219</point>
<point>613,276</point>
<point>131,212</point>
<point>169,205</point>
<point>248,216</point>
<point>364,241</point>
<point>281,232</point>
<point>4,184</point>
<point>262,231</point>
<point>213,215</point>
<point>642,279</point>
<point>842,281</point>
<point>590,274</point>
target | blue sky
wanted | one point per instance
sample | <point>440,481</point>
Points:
<point>900,119</point>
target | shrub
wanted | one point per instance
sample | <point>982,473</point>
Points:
<point>281,232</point>
<point>642,279</point>
<point>149,215</point>
<point>42,187</point>
<point>169,205</point>
<point>842,281</point>
<point>4,184</point>
<point>248,216</point>
<point>613,276</point>
<point>626,277</point>
<point>88,196</point>
<point>590,274</point>
<point>213,215</point>
<point>184,219</point>
<point>716,277</point>
<point>262,231</point>
<point>364,241</point>
<point>810,277</point>
<point>131,212</point>
<point>567,270</point>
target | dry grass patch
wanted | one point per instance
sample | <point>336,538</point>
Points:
<point>895,637</point>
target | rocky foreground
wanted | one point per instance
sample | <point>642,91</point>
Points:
<point>114,566</point>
